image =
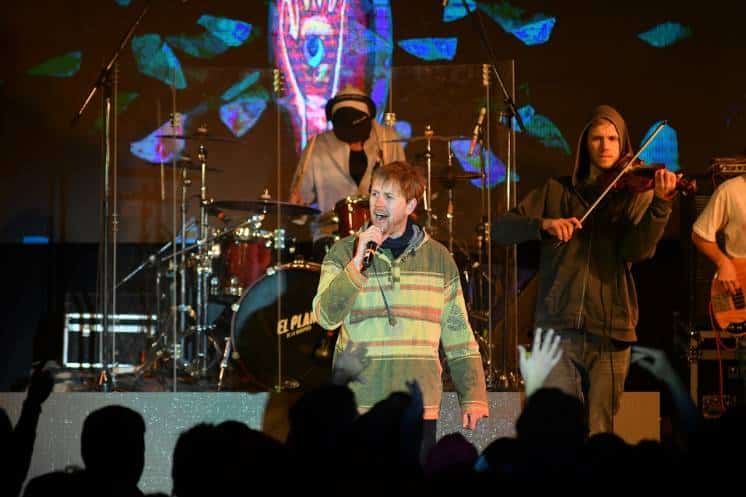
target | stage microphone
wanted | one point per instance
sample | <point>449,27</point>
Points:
<point>370,249</point>
<point>477,130</point>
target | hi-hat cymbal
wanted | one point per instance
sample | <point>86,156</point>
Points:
<point>186,162</point>
<point>203,137</point>
<point>267,207</point>
<point>449,179</point>
<point>434,138</point>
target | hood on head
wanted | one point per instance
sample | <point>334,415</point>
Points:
<point>582,161</point>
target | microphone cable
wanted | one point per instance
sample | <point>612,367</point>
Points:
<point>392,319</point>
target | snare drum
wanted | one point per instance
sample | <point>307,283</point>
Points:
<point>352,213</point>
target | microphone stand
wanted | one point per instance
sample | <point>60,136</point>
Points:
<point>511,269</point>
<point>106,81</point>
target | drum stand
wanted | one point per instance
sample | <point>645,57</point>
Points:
<point>188,348</point>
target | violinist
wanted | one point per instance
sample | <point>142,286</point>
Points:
<point>586,291</point>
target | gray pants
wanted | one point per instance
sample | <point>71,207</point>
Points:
<point>592,368</point>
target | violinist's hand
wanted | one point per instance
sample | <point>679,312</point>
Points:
<point>665,184</point>
<point>372,234</point>
<point>562,228</point>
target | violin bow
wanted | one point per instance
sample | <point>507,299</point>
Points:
<point>650,139</point>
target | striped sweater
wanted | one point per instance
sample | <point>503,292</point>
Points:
<point>423,292</point>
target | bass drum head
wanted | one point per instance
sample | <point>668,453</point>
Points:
<point>306,347</point>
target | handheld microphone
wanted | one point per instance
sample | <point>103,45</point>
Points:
<point>477,130</point>
<point>370,249</point>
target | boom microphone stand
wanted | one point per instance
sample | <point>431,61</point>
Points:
<point>510,273</point>
<point>106,81</point>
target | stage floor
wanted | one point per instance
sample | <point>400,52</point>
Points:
<point>168,414</point>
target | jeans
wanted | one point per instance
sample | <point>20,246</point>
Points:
<point>592,368</point>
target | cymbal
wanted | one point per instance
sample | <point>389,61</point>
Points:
<point>267,206</point>
<point>434,138</point>
<point>186,162</point>
<point>450,179</point>
<point>203,137</point>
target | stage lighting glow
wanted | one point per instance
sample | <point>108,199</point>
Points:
<point>124,98</point>
<point>665,35</point>
<point>240,115</point>
<point>230,31</point>
<point>154,149</point>
<point>535,30</point>
<point>156,59</point>
<point>454,10</point>
<point>240,87</point>
<point>403,129</point>
<point>543,128</point>
<point>430,48</point>
<point>204,46</point>
<point>496,167</point>
<point>63,66</point>
<point>664,149</point>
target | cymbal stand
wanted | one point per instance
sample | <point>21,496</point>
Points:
<point>204,270</point>
<point>278,85</point>
<point>449,211</point>
<point>182,352</point>
<point>428,197</point>
<point>512,114</point>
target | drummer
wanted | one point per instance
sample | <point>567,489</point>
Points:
<point>337,164</point>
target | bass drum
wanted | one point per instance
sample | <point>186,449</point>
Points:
<point>306,347</point>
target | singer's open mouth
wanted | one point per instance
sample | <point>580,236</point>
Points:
<point>380,216</point>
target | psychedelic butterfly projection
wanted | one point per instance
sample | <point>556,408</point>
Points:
<point>324,45</point>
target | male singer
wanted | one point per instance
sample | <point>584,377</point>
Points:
<point>396,292</point>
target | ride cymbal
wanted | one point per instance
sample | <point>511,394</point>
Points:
<point>203,137</point>
<point>267,207</point>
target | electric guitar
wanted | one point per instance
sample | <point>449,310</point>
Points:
<point>729,311</point>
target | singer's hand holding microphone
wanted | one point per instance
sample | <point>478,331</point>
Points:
<point>367,243</point>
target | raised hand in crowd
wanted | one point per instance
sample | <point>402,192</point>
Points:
<point>40,386</point>
<point>538,363</point>
<point>656,363</point>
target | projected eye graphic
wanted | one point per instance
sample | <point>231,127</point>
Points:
<point>664,149</point>
<point>323,45</point>
<point>430,48</point>
<point>63,66</point>
<point>665,35</point>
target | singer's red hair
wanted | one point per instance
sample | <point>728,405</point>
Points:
<point>409,178</point>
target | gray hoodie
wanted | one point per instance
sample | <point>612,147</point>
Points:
<point>586,283</point>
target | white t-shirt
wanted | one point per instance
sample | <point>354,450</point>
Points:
<point>726,211</point>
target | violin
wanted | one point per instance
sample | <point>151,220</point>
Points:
<point>640,177</point>
<point>632,175</point>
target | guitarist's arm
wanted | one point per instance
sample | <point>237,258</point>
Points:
<point>726,271</point>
